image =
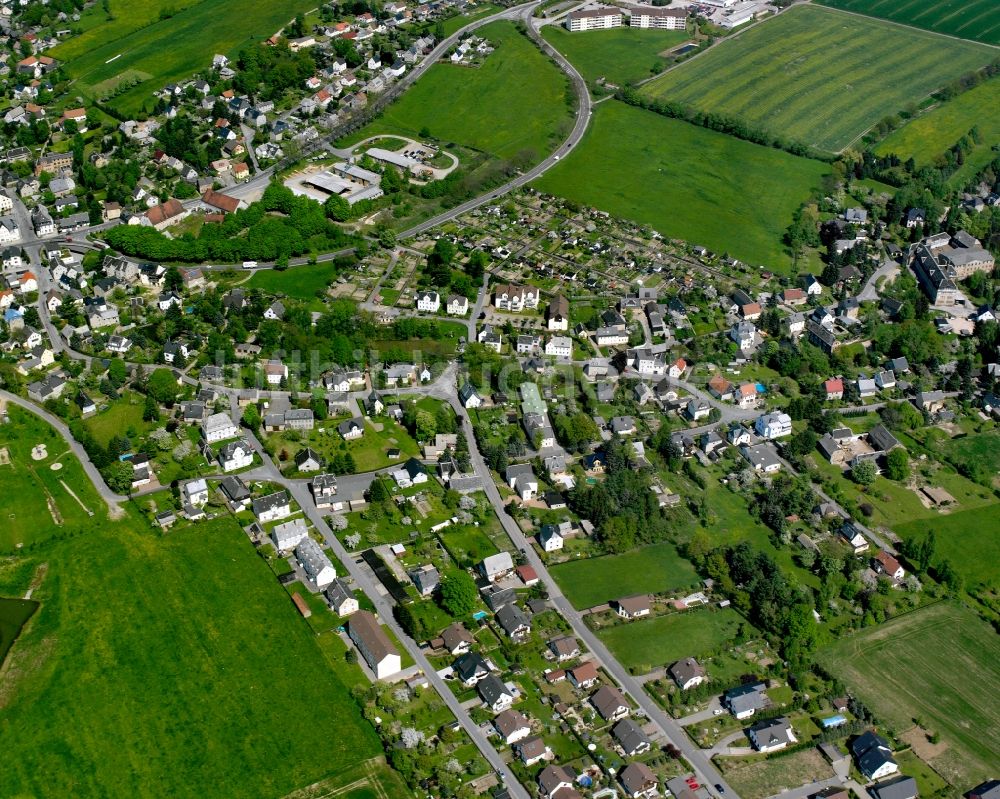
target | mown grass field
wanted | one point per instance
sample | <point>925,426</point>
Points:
<point>515,102</point>
<point>940,664</point>
<point>664,639</point>
<point>968,19</point>
<point>970,539</point>
<point>688,182</point>
<point>170,666</point>
<point>300,282</point>
<point>649,570</point>
<point>44,507</point>
<point>167,50</point>
<point>621,56</point>
<point>818,76</point>
<point>930,135</point>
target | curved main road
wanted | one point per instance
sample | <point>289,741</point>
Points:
<point>583,110</point>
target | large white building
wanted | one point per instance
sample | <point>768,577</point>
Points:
<point>668,19</point>
<point>315,563</point>
<point>288,535</point>
<point>374,645</point>
<point>428,301</point>
<point>219,427</point>
<point>773,425</point>
<point>594,19</point>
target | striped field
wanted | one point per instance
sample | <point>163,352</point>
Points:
<point>819,76</point>
<point>967,19</point>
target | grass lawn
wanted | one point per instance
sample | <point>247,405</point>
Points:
<point>818,76</point>
<point>931,134</point>
<point>688,182</point>
<point>649,570</point>
<point>369,451</point>
<point>980,448</point>
<point>514,102</point>
<point>467,544</point>
<point>938,664</point>
<point>621,56</point>
<point>44,505</point>
<point>968,19</point>
<point>970,539</point>
<point>170,666</point>
<point>759,777</point>
<point>300,282</point>
<point>459,21</point>
<point>120,416</point>
<point>648,643</point>
<point>159,51</point>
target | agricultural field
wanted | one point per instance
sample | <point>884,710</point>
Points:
<point>170,665</point>
<point>939,665</point>
<point>817,76</point>
<point>929,135</point>
<point>515,102</point>
<point>967,19</point>
<point>688,182</point>
<point>648,643</point>
<point>50,500</point>
<point>300,283</point>
<point>621,56</point>
<point>154,51</point>
<point>649,570</point>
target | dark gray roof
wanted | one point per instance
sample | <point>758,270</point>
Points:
<point>900,788</point>
<point>491,689</point>
<point>630,736</point>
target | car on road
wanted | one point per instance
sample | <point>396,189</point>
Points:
<point>718,711</point>
<point>719,788</point>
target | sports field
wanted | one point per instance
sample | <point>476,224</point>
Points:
<point>514,102</point>
<point>170,666</point>
<point>818,76</point>
<point>969,19</point>
<point>941,665</point>
<point>687,182</point>
<point>621,56</point>
<point>169,49</point>
<point>662,640</point>
<point>49,501</point>
<point>930,135</point>
<point>653,569</point>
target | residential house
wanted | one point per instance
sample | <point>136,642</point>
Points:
<point>287,535</point>
<point>855,539</point>
<point>308,460</point>
<point>638,781</point>
<point>565,647</point>
<point>510,297</point>
<point>425,579</point>
<point>272,507</point>
<point>496,566</point>
<point>428,301</point>
<point>631,738</point>
<point>521,479</point>
<point>873,756</point>
<point>687,673</point>
<point>352,429</point>
<point>557,314</point>
<point>555,782</point>
<point>374,645</point>
<point>771,735</point>
<point>411,473</point>
<point>218,427</point>
<point>886,564</point>
<point>532,750</point>
<point>834,388</point>
<point>470,668</point>
<point>610,704</point>
<point>899,788</point>
<point>236,493</point>
<point>512,726</point>
<point>514,622</point>
<point>235,455</point>
<point>195,492</point>
<point>457,305</point>
<point>494,693</point>
<point>457,640</point>
<point>746,699</point>
<point>550,538</point>
<point>315,563</point>
<point>324,490</point>
<point>773,425</point>
<point>632,607</point>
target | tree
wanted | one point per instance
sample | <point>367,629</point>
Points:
<point>458,593</point>
<point>897,464</point>
<point>251,417</point>
<point>151,411</point>
<point>864,473</point>
<point>426,426</point>
<point>119,477</point>
<point>162,386</point>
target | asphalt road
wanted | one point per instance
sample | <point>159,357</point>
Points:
<point>704,769</point>
<point>579,128</point>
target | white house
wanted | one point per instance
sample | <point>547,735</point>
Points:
<point>272,507</point>
<point>521,478</point>
<point>315,563</point>
<point>773,425</point>
<point>219,427</point>
<point>550,538</point>
<point>469,397</point>
<point>559,347</point>
<point>771,735</point>
<point>457,305</point>
<point>286,536</point>
<point>235,455</point>
<point>428,301</point>
<point>196,492</point>
<point>374,645</point>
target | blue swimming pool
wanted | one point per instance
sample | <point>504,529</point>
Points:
<point>761,388</point>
